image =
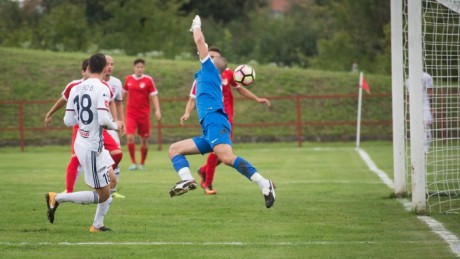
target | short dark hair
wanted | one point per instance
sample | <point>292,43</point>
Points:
<point>220,63</point>
<point>84,64</point>
<point>139,60</point>
<point>215,49</point>
<point>97,63</point>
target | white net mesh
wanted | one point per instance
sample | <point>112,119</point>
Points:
<point>441,59</point>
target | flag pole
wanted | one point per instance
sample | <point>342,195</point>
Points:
<point>360,95</point>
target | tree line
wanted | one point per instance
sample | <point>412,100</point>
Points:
<point>316,34</point>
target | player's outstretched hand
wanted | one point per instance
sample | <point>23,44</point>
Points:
<point>121,128</point>
<point>183,119</point>
<point>264,101</point>
<point>48,120</point>
<point>196,23</point>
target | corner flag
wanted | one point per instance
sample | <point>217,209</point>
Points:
<point>365,86</point>
<point>362,86</point>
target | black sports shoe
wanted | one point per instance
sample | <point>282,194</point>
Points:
<point>270,198</point>
<point>93,229</point>
<point>182,187</point>
<point>52,205</point>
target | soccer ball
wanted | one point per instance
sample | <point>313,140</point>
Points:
<point>244,74</point>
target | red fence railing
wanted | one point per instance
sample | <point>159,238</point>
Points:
<point>299,113</point>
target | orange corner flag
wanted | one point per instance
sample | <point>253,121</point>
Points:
<point>365,86</point>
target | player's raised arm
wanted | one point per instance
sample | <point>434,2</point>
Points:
<point>199,37</point>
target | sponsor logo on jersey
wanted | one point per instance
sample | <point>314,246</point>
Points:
<point>142,85</point>
<point>83,133</point>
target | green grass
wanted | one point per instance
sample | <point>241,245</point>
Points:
<point>31,75</point>
<point>329,205</point>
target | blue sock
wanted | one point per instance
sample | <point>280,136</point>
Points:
<point>244,167</point>
<point>179,162</point>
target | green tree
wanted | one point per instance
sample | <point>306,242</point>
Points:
<point>364,22</point>
<point>222,11</point>
<point>139,26</point>
<point>10,22</point>
<point>283,39</point>
<point>64,28</point>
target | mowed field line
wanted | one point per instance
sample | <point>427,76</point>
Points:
<point>452,240</point>
<point>304,243</point>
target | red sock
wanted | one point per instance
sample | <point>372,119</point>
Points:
<point>144,152</point>
<point>132,152</point>
<point>203,169</point>
<point>116,158</point>
<point>71,176</point>
<point>211,165</point>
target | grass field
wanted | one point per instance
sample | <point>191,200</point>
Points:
<point>329,205</point>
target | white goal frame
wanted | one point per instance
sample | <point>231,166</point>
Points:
<point>425,38</point>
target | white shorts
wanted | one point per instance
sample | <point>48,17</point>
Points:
<point>96,166</point>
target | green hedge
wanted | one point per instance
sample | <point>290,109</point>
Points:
<point>41,75</point>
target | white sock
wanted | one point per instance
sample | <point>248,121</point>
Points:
<point>263,183</point>
<point>101,211</point>
<point>185,174</point>
<point>83,197</point>
<point>116,171</point>
<point>79,171</point>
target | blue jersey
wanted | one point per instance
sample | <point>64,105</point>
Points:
<point>209,96</point>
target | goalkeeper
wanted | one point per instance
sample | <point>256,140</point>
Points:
<point>215,126</point>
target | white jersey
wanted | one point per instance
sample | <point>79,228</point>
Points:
<point>116,87</point>
<point>427,83</point>
<point>89,105</point>
<point>117,90</point>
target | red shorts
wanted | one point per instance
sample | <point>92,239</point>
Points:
<point>109,142</point>
<point>142,126</point>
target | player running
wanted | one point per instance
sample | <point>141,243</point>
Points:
<point>110,144</point>
<point>89,108</point>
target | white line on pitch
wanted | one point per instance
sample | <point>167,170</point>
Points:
<point>307,243</point>
<point>435,226</point>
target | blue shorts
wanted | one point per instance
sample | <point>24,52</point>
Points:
<point>216,130</point>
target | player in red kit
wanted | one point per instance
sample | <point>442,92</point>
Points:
<point>207,171</point>
<point>72,167</point>
<point>140,91</point>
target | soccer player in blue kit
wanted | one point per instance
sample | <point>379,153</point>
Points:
<point>215,126</point>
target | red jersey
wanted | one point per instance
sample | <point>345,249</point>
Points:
<point>65,94</point>
<point>227,83</point>
<point>139,92</point>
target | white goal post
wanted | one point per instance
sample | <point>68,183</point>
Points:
<point>425,41</point>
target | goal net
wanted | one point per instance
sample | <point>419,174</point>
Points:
<point>432,104</point>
